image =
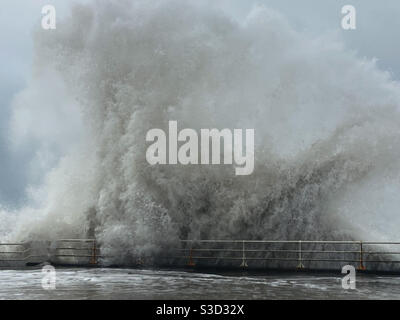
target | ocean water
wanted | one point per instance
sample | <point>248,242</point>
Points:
<point>109,283</point>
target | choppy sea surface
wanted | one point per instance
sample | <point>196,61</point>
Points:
<point>108,283</point>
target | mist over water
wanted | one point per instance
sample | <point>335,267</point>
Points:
<point>327,130</point>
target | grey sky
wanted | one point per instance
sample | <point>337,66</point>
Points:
<point>377,34</point>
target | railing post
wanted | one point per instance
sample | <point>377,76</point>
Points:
<point>244,263</point>
<point>191,262</point>
<point>300,265</point>
<point>94,254</point>
<point>361,266</point>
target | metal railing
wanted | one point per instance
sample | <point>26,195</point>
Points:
<point>301,254</point>
<point>14,252</point>
<point>71,251</point>
<point>63,251</point>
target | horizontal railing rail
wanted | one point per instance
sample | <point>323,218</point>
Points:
<point>300,251</point>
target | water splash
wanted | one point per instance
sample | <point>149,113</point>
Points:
<point>326,128</point>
